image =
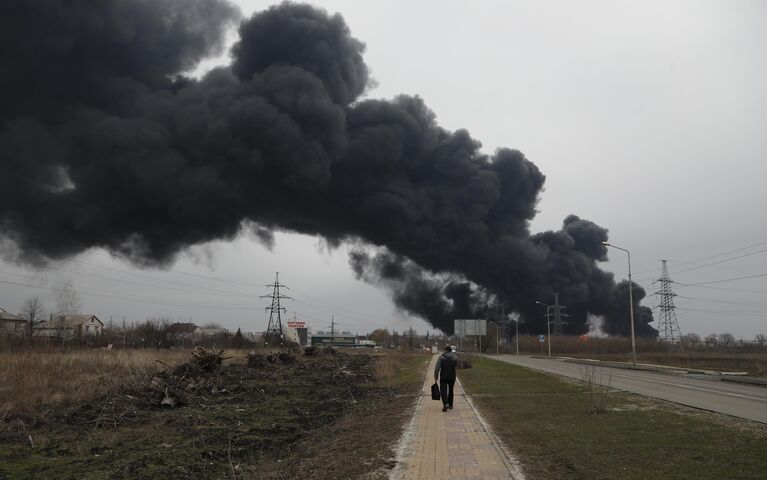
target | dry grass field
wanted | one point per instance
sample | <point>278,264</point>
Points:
<point>34,381</point>
<point>97,414</point>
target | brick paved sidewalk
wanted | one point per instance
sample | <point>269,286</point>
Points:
<point>450,445</point>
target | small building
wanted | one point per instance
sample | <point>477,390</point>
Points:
<point>184,331</point>
<point>211,332</point>
<point>303,336</point>
<point>344,339</point>
<point>365,344</point>
<point>70,326</point>
<point>12,324</point>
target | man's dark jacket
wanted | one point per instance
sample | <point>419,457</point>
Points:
<point>446,365</point>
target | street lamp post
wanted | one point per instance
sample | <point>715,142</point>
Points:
<point>631,304</point>
<point>548,323</point>
<point>515,317</point>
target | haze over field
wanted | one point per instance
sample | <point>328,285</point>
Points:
<point>654,137</point>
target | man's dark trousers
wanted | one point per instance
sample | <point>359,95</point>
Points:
<point>447,396</point>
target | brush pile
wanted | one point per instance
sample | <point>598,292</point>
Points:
<point>257,360</point>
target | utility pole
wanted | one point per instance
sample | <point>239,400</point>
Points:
<point>631,303</point>
<point>480,336</point>
<point>275,310</point>
<point>332,330</point>
<point>497,330</point>
<point>497,339</point>
<point>548,326</point>
<point>668,326</point>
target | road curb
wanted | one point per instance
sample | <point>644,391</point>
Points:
<point>748,380</point>
<point>647,367</point>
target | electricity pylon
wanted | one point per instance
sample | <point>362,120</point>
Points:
<point>668,326</point>
<point>555,312</point>
<point>275,311</point>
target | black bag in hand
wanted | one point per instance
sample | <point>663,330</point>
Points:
<point>435,392</point>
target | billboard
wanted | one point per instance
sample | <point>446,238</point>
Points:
<point>296,325</point>
<point>469,327</point>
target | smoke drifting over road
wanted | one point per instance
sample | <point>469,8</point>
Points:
<point>105,143</point>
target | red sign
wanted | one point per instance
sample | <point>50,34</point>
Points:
<point>297,324</point>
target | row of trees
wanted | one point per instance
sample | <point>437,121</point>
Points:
<point>160,333</point>
<point>407,339</point>
<point>67,302</point>
<point>693,340</point>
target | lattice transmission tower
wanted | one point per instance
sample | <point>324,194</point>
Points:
<point>555,312</point>
<point>274,329</point>
<point>668,326</point>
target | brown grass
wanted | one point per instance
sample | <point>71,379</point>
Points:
<point>34,380</point>
<point>573,345</point>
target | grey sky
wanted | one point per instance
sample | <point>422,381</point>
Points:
<point>647,118</point>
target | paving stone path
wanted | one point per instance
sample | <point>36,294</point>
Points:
<point>456,444</point>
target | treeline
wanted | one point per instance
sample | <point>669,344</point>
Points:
<point>151,333</point>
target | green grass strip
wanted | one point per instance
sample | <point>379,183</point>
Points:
<point>547,423</point>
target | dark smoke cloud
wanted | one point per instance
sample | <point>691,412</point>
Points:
<point>105,143</point>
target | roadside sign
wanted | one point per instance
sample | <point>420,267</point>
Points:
<point>470,327</point>
<point>541,338</point>
<point>296,325</point>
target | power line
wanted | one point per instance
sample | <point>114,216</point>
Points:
<point>142,299</point>
<point>741,290</point>
<point>181,272</point>
<point>730,302</point>
<point>723,280</point>
<point>691,262</point>
<point>722,254</point>
<point>334,306</point>
<point>127,272</point>
<point>334,311</point>
<point>720,261</point>
<point>203,290</point>
<point>370,319</point>
<point>739,313</point>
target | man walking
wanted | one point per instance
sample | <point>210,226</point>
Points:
<point>444,371</point>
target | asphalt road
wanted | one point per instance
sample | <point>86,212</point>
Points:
<point>700,391</point>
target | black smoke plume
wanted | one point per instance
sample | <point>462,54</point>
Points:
<point>106,142</point>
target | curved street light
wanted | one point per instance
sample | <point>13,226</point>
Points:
<point>631,304</point>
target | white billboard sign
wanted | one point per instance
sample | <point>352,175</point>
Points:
<point>469,327</point>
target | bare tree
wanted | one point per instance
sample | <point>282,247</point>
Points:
<point>67,300</point>
<point>380,335</point>
<point>33,310</point>
<point>411,337</point>
<point>760,339</point>
<point>691,340</point>
<point>726,339</point>
<point>67,303</point>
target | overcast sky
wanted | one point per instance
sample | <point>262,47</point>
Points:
<point>647,118</point>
